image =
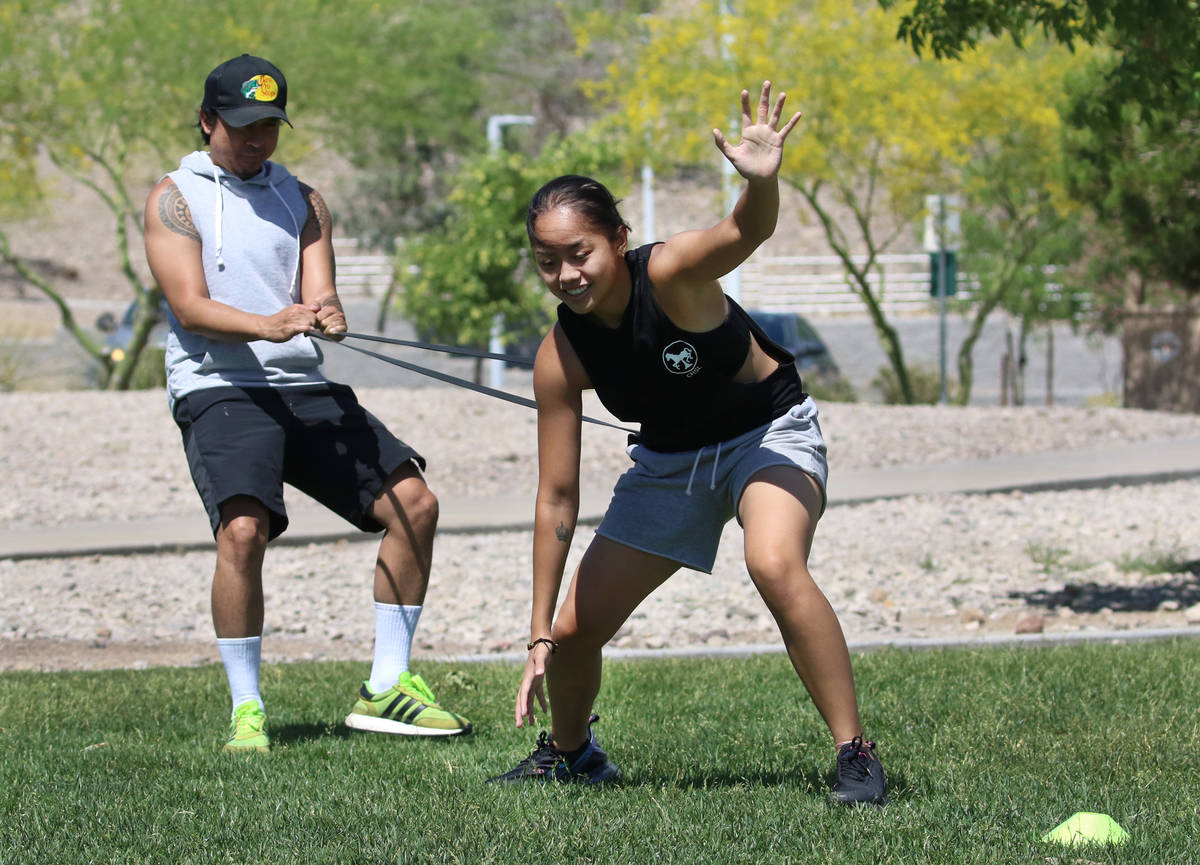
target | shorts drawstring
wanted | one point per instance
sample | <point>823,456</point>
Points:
<point>712,484</point>
<point>695,463</point>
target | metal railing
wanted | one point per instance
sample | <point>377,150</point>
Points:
<point>808,284</point>
<point>819,285</point>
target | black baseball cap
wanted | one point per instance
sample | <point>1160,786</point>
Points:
<point>246,89</point>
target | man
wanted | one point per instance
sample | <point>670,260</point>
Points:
<point>243,253</point>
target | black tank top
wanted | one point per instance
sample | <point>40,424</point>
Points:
<point>676,383</point>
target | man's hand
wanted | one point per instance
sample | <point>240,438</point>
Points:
<point>331,318</point>
<point>289,321</point>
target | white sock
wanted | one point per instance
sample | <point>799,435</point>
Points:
<point>241,657</point>
<point>394,629</point>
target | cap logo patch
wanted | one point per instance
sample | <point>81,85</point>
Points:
<point>261,88</point>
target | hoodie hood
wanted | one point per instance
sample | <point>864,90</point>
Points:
<point>269,176</point>
<point>200,163</point>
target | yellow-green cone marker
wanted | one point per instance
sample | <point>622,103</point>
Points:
<point>1084,827</point>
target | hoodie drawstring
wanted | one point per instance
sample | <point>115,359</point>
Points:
<point>217,227</point>
<point>218,217</point>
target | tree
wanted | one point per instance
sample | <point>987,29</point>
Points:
<point>1021,230</point>
<point>108,91</point>
<point>1138,170</point>
<point>473,267</point>
<point>101,91</point>
<point>882,128</point>
<point>1157,40</point>
<point>1133,118</point>
<point>409,89</point>
<point>1015,250</point>
<point>403,91</point>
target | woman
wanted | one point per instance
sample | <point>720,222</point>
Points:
<point>726,430</point>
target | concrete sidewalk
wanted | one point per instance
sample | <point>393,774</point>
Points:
<point>1149,462</point>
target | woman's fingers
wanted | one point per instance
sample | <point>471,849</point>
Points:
<point>787,127</point>
<point>764,102</point>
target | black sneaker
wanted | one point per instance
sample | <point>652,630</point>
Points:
<point>859,774</point>
<point>590,766</point>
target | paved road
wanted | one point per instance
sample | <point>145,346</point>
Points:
<point>1083,366</point>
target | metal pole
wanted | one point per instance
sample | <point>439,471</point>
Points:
<point>647,203</point>
<point>941,290</point>
<point>496,124</point>
<point>495,139</point>
<point>733,279</point>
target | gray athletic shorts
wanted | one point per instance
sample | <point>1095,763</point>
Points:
<point>675,505</point>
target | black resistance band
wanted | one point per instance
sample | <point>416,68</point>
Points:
<point>451,379</point>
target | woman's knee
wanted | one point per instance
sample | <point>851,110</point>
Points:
<point>771,564</point>
<point>573,634</point>
<point>778,573</point>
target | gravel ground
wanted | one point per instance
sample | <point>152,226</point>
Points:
<point>951,566</point>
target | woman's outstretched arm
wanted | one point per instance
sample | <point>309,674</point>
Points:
<point>702,256</point>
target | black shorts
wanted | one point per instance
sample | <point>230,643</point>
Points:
<point>249,441</point>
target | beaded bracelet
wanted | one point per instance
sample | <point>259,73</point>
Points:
<point>549,642</point>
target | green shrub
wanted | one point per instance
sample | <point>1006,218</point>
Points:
<point>925,381</point>
<point>830,387</point>
<point>12,365</point>
<point>150,372</point>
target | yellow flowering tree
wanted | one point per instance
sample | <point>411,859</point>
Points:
<point>882,128</point>
<point>1022,227</point>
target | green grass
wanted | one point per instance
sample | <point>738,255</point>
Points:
<point>725,760</point>
<point>1156,559</point>
<point>1052,559</point>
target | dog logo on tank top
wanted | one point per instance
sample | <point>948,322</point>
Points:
<point>681,358</point>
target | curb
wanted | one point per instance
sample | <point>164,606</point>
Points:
<point>1151,462</point>
<point>1191,632</point>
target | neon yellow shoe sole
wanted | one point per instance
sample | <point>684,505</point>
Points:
<point>408,708</point>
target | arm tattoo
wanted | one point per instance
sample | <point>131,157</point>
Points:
<point>174,213</point>
<point>317,211</point>
<point>562,532</point>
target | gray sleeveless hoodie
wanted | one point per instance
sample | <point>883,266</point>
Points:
<point>250,246</point>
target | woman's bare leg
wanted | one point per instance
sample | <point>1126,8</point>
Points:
<point>610,582</point>
<point>779,512</point>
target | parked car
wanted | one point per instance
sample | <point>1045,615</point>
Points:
<point>793,332</point>
<point>117,333</point>
<point>790,330</point>
<point>816,365</point>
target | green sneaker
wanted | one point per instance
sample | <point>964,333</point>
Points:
<point>407,708</point>
<point>248,730</point>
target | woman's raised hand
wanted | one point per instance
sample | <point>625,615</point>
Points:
<point>760,152</point>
